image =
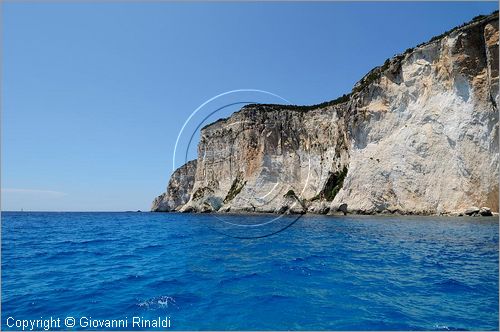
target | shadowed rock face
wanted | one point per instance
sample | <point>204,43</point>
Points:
<point>418,135</point>
<point>178,190</point>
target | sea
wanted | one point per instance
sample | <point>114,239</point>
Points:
<point>248,272</point>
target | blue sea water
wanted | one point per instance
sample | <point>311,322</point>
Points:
<point>335,273</point>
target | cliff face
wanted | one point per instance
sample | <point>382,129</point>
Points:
<point>416,135</point>
<point>425,134</point>
<point>250,161</point>
<point>178,191</point>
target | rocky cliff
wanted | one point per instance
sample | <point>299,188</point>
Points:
<point>178,190</point>
<point>417,135</point>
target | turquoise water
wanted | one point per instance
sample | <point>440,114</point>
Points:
<point>337,273</point>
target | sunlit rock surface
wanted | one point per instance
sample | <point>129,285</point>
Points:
<point>178,190</point>
<point>417,135</point>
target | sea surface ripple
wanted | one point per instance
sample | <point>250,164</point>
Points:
<point>322,273</point>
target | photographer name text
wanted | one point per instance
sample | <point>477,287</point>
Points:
<point>57,323</point>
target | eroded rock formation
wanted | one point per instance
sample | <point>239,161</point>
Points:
<point>178,191</point>
<point>417,135</point>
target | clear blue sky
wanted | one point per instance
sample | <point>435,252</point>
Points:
<point>94,94</point>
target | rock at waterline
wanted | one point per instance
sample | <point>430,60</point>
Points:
<point>343,208</point>
<point>475,211</point>
<point>485,212</point>
<point>472,211</point>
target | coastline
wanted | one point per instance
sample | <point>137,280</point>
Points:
<point>340,214</point>
<point>385,148</point>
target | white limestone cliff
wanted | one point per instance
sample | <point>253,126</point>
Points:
<point>418,135</point>
<point>178,191</point>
